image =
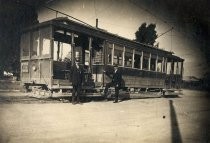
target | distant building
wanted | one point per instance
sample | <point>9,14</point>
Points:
<point>192,82</point>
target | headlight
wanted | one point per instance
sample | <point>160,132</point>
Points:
<point>34,68</point>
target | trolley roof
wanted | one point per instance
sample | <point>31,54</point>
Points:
<point>70,25</point>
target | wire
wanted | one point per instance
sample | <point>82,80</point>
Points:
<point>95,8</point>
<point>165,32</point>
<point>183,32</point>
<point>100,10</point>
<point>66,15</point>
<point>57,11</point>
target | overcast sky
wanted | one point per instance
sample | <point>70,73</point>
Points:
<point>123,17</point>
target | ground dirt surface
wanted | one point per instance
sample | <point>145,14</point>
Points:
<point>26,119</point>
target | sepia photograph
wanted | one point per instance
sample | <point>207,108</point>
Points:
<point>104,71</point>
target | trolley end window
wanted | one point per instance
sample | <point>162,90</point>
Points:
<point>45,35</point>
<point>35,43</point>
<point>25,44</point>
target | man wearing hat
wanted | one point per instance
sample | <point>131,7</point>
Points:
<point>116,82</point>
<point>76,81</point>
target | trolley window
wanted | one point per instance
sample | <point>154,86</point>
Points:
<point>62,45</point>
<point>164,65</point>
<point>35,43</point>
<point>137,59</point>
<point>87,57</point>
<point>98,56</point>
<point>159,64</point>
<point>97,50</point>
<point>45,35</point>
<point>62,51</point>
<point>109,53</point>
<point>25,44</point>
<point>169,68</point>
<point>146,61</point>
<point>153,62</point>
<point>128,57</point>
<point>118,55</point>
<point>177,68</point>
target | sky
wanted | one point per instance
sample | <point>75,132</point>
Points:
<point>123,17</point>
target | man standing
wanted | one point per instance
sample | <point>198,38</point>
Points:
<point>116,82</point>
<point>76,82</point>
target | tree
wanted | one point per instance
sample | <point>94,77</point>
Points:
<point>13,17</point>
<point>146,34</point>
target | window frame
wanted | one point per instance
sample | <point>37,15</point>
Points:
<point>50,42</point>
<point>128,51</point>
<point>146,56</point>
<point>140,58</point>
<point>153,57</point>
<point>110,51</point>
<point>120,49</point>
<point>39,54</point>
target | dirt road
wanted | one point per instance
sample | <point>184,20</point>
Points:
<point>30,120</point>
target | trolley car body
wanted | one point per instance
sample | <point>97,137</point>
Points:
<point>48,51</point>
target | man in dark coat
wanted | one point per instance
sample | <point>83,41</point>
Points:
<point>116,82</point>
<point>76,82</point>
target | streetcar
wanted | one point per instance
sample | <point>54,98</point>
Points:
<point>49,49</point>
